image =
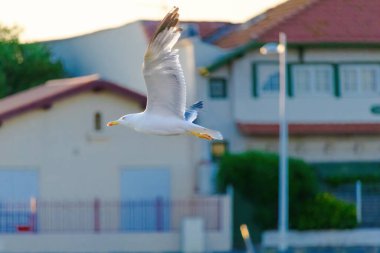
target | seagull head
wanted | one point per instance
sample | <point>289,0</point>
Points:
<point>125,120</point>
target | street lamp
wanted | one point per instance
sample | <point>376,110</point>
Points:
<point>280,49</point>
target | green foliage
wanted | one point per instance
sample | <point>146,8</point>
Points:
<point>327,212</point>
<point>24,65</point>
<point>254,175</point>
<point>9,33</point>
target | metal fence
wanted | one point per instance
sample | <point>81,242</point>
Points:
<point>366,197</point>
<point>99,216</point>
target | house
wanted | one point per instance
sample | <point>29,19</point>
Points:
<point>333,91</point>
<point>68,183</point>
<point>333,82</point>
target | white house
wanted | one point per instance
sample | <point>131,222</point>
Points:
<point>70,184</point>
<point>333,86</point>
<point>333,91</point>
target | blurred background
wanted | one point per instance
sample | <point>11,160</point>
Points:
<point>293,86</point>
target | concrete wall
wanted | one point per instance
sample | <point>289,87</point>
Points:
<point>76,162</point>
<point>219,240</point>
<point>330,238</point>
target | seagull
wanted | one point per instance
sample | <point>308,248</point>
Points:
<point>165,112</point>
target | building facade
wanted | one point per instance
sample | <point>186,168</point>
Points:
<point>333,81</point>
<point>69,183</point>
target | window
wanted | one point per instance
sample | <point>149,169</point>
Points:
<point>218,88</point>
<point>98,121</point>
<point>267,79</point>
<point>361,79</point>
<point>150,186</point>
<point>312,79</point>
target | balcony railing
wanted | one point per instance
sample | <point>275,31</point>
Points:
<point>99,216</point>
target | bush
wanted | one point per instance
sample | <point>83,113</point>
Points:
<point>255,176</point>
<point>327,212</point>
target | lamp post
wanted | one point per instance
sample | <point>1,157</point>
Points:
<point>280,49</point>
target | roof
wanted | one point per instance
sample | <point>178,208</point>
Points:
<point>203,28</point>
<point>311,129</point>
<point>307,23</point>
<point>255,27</point>
<point>45,95</point>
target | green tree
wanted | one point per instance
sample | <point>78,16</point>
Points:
<point>24,65</point>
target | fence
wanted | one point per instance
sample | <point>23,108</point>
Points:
<point>98,216</point>
<point>366,197</point>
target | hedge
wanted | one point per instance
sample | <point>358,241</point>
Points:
<point>254,175</point>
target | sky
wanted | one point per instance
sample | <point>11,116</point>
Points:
<point>54,19</point>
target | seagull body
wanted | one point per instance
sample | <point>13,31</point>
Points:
<point>165,113</point>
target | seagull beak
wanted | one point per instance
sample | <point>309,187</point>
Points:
<point>113,123</point>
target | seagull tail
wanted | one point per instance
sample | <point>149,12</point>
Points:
<point>191,113</point>
<point>205,133</point>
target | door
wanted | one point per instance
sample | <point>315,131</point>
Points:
<point>17,188</point>
<point>145,195</point>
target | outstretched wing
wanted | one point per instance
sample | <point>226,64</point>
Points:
<point>162,71</point>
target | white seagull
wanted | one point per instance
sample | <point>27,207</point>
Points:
<point>165,113</point>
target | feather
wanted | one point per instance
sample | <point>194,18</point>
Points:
<point>163,74</point>
<point>191,113</point>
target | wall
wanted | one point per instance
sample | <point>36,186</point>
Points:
<point>331,238</point>
<point>115,54</point>
<point>302,109</point>
<point>217,113</point>
<point>75,162</point>
<point>323,148</point>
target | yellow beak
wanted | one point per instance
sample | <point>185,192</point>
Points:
<point>113,123</point>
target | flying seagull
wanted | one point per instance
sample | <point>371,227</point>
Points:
<point>165,113</point>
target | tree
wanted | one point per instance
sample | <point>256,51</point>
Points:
<point>24,65</point>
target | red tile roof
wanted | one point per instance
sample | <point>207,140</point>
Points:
<point>311,129</point>
<point>206,28</point>
<point>44,96</point>
<point>312,21</point>
<point>253,28</point>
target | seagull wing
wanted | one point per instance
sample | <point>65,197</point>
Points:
<point>163,74</point>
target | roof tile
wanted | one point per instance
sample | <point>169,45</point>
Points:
<point>312,21</point>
